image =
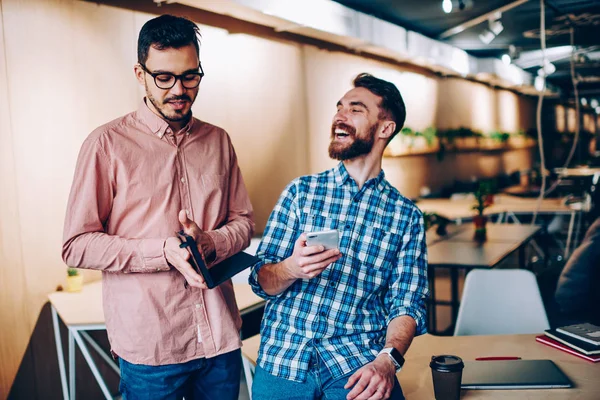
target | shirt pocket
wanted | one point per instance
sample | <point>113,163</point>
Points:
<point>377,248</point>
<point>315,222</point>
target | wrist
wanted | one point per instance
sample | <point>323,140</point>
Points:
<point>394,357</point>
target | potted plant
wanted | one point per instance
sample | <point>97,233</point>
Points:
<point>74,280</point>
<point>482,194</point>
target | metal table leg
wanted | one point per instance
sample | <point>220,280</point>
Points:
<point>71,365</point>
<point>454,293</point>
<point>432,303</point>
<point>60,353</point>
<point>91,363</point>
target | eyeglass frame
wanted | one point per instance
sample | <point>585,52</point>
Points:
<point>177,77</point>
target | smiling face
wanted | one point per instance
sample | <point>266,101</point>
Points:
<point>355,125</point>
<point>174,104</point>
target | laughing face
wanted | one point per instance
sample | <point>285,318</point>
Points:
<point>174,104</point>
<point>354,125</point>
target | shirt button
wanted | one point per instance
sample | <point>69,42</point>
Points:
<point>198,306</point>
<point>182,180</point>
<point>356,199</point>
<point>322,313</point>
<point>332,284</point>
<point>157,269</point>
<point>187,212</point>
<point>316,341</point>
<point>348,226</point>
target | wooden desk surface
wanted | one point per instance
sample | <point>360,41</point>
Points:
<point>85,307</point>
<point>463,208</point>
<point>510,233</point>
<point>469,254</point>
<point>417,384</point>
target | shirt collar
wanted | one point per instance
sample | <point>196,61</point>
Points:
<point>156,124</point>
<point>342,176</point>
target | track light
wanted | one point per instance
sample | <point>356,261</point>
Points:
<point>547,69</point>
<point>496,27</point>
<point>597,110</point>
<point>506,59</point>
<point>583,101</point>
<point>594,103</point>
<point>447,6</point>
<point>487,36</point>
<point>539,83</point>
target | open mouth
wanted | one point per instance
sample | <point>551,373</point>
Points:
<point>341,133</point>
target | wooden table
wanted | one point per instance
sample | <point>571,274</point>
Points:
<point>415,377</point>
<point>82,312</point>
<point>459,250</point>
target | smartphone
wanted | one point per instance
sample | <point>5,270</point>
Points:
<point>329,239</point>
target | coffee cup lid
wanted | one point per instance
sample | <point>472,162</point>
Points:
<point>446,363</point>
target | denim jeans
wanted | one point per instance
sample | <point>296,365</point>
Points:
<point>203,378</point>
<point>319,384</point>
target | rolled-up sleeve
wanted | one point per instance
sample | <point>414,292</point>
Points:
<point>408,291</point>
<point>278,240</point>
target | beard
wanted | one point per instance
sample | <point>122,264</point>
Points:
<point>174,115</point>
<point>358,147</point>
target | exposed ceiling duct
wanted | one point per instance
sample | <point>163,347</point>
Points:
<point>334,23</point>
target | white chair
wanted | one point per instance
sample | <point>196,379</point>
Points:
<point>500,302</point>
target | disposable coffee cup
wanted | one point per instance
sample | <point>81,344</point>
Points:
<point>446,371</point>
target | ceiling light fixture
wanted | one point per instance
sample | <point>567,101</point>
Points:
<point>547,69</point>
<point>494,28</point>
<point>594,103</point>
<point>597,110</point>
<point>539,83</point>
<point>447,6</point>
<point>583,101</point>
<point>506,59</point>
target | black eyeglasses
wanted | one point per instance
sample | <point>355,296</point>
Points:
<point>166,80</point>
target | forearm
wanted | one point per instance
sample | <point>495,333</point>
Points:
<point>233,237</point>
<point>100,251</point>
<point>275,278</point>
<point>400,333</point>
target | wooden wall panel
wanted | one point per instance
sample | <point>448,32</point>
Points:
<point>14,328</point>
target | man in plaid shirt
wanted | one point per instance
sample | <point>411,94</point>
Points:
<point>338,322</point>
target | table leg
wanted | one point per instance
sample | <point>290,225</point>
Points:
<point>90,361</point>
<point>111,363</point>
<point>522,260</point>
<point>71,365</point>
<point>454,293</point>
<point>60,353</point>
<point>569,234</point>
<point>432,304</point>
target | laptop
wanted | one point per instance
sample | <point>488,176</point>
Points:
<point>220,272</point>
<point>513,374</point>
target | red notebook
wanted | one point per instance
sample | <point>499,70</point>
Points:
<point>553,343</point>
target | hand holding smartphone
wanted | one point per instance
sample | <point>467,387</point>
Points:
<point>329,239</point>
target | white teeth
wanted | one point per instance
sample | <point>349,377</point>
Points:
<point>340,132</point>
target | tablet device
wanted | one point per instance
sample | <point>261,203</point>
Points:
<point>220,272</point>
<point>513,374</point>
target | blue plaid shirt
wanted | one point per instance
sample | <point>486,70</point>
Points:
<point>343,313</point>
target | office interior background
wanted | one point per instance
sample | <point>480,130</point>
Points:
<point>274,72</point>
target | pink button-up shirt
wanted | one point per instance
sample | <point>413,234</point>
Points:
<point>133,175</point>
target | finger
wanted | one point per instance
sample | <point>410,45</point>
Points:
<point>352,380</point>
<point>310,250</point>
<point>183,218</point>
<point>371,390</point>
<point>359,387</point>
<point>310,267</point>
<point>188,272</point>
<point>301,242</point>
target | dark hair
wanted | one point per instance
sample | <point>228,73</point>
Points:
<point>392,105</point>
<point>167,31</point>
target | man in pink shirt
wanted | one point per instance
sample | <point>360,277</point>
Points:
<point>139,179</point>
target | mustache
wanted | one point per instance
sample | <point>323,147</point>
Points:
<point>175,98</point>
<point>350,129</point>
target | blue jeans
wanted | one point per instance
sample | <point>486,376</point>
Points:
<point>203,378</point>
<point>319,384</point>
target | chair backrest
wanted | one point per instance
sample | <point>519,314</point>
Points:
<point>501,301</point>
